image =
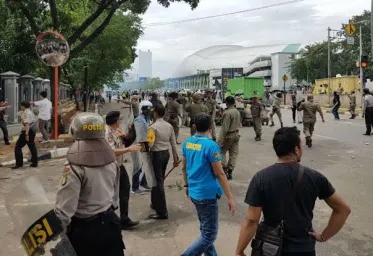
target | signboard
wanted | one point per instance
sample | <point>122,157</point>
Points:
<point>350,40</point>
<point>285,78</point>
<point>350,29</point>
<point>52,48</point>
<point>142,79</point>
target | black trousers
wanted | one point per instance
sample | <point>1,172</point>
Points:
<point>299,253</point>
<point>369,119</point>
<point>5,130</point>
<point>294,110</point>
<point>98,237</point>
<point>158,197</point>
<point>124,194</point>
<point>21,142</point>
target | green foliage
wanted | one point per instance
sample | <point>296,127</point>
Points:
<point>154,83</point>
<point>313,61</point>
<point>102,35</point>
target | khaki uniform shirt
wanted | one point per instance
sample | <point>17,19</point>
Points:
<point>173,109</point>
<point>211,105</point>
<point>276,101</point>
<point>231,123</point>
<point>256,108</point>
<point>115,141</point>
<point>27,117</point>
<point>164,137</point>
<point>309,111</point>
<point>239,105</point>
<point>195,109</point>
<point>352,99</point>
<point>87,191</point>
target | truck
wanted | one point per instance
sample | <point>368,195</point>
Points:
<point>246,85</point>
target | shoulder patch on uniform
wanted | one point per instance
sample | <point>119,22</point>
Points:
<point>217,155</point>
<point>66,170</point>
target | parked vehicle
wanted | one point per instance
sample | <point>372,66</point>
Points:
<point>249,86</point>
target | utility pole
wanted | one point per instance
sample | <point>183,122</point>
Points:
<point>329,58</point>
<point>361,54</point>
<point>371,26</point>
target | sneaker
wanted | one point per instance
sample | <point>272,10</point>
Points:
<point>44,141</point>
<point>145,188</point>
<point>137,191</point>
<point>258,138</point>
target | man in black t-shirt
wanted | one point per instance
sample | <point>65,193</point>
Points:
<point>272,187</point>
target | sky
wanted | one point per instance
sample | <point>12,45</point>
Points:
<point>303,22</point>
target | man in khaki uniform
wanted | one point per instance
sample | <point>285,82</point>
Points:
<point>210,103</point>
<point>173,113</point>
<point>229,136</point>
<point>309,117</point>
<point>114,137</point>
<point>240,105</point>
<point>195,109</point>
<point>276,108</point>
<point>256,109</point>
<point>352,97</point>
<point>89,190</point>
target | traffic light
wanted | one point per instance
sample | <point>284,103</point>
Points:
<point>364,61</point>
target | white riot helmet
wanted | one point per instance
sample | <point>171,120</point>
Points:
<point>145,104</point>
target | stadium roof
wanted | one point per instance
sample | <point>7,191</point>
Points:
<point>228,56</point>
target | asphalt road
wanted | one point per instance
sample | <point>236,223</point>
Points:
<point>340,152</point>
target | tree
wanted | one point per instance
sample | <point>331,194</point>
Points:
<point>154,83</point>
<point>313,60</point>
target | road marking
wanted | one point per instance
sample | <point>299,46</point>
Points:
<point>326,137</point>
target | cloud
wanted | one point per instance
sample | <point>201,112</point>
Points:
<point>303,22</point>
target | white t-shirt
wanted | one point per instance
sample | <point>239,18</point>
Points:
<point>45,108</point>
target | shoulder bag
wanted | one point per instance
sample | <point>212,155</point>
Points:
<point>268,240</point>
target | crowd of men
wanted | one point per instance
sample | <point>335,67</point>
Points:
<point>95,179</point>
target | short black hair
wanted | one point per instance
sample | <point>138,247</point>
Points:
<point>285,141</point>
<point>160,110</point>
<point>43,94</point>
<point>230,100</point>
<point>202,122</point>
<point>25,104</point>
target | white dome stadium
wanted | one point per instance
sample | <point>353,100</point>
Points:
<point>228,56</point>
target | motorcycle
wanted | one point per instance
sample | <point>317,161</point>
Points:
<point>35,221</point>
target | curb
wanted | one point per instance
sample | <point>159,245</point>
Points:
<point>53,153</point>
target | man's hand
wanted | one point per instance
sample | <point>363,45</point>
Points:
<point>318,237</point>
<point>232,206</point>
<point>27,138</point>
<point>134,148</point>
<point>186,192</point>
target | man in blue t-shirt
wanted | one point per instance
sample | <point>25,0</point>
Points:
<point>205,183</point>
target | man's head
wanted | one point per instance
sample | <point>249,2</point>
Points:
<point>287,143</point>
<point>352,92</point>
<point>335,93</point>
<point>197,98</point>
<point>230,101</point>
<point>146,107</point>
<point>173,95</point>
<point>113,119</point>
<point>25,105</point>
<point>43,94</point>
<point>279,95</point>
<point>159,111</point>
<point>202,122</point>
<point>310,98</point>
<point>366,91</point>
<point>209,93</point>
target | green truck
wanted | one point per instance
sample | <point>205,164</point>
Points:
<point>246,85</point>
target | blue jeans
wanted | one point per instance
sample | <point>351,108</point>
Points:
<point>137,172</point>
<point>335,112</point>
<point>208,215</point>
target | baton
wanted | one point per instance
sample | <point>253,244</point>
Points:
<point>169,172</point>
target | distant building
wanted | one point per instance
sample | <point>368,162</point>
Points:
<point>223,62</point>
<point>145,65</point>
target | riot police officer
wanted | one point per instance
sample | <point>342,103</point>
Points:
<point>89,190</point>
<point>173,113</point>
<point>210,103</point>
